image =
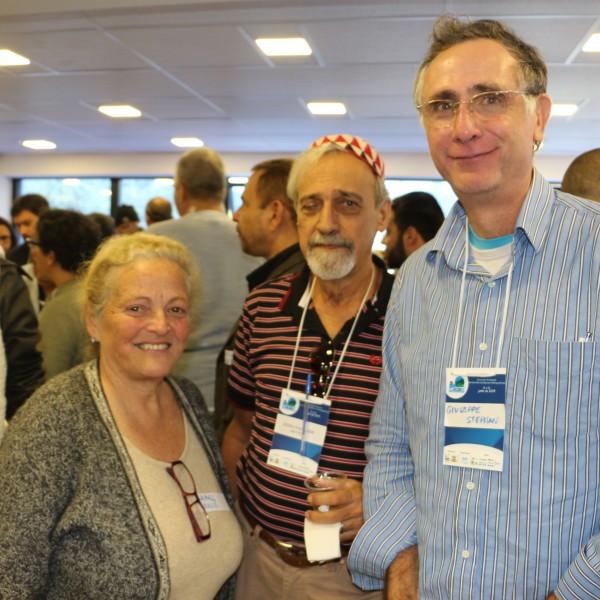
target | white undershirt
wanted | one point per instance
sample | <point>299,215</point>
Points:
<point>197,570</point>
<point>494,259</point>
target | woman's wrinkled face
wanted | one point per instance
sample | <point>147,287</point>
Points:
<point>145,323</point>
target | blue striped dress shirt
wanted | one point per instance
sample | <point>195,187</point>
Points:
<point>534,527</point>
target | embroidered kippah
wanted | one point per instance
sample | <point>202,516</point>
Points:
<point>357,146</point>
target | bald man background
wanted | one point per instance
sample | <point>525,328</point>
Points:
<point>158,209</point>
<point>582,178</point>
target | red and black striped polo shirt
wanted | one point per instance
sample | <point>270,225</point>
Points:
<point>263,354</point>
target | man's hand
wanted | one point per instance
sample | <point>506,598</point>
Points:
<point>552,597</point>
<point>345,506</point>
<point>402,581</point>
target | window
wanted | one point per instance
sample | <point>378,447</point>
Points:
<point>104,194</point>
<point>439,189</point>
<point>85,194</point>
<point>234,197</point>
<point>137,191</point>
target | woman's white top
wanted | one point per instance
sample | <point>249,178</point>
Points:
<point>197,570</point>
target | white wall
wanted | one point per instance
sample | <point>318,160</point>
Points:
<point>121,165</point>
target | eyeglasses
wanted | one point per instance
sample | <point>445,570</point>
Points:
<point>321,361</point>
<point>485,106</point>
<point>195,509</point>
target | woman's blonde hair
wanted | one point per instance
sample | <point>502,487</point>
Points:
<point>122,251</point>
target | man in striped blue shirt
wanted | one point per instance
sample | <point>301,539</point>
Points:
<point>509,286</point>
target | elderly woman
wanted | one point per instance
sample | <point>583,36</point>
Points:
<point>112,486</point>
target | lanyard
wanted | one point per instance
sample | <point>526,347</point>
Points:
<point>347,342</point>
<point>461,298</point>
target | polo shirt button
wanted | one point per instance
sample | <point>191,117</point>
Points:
<point>465,554</point>
<point>483,346</point>
<point>470,485</point>
<point>491,284</point>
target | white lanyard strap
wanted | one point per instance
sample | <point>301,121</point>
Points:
<point>347,342</point>
<point>505,312</point>
<point>310,291</point>
<point>461,303</point>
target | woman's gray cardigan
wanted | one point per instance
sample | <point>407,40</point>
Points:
<point>74,522</point>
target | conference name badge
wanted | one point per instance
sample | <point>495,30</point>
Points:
<point>299,433</point>
<point>474,419</point>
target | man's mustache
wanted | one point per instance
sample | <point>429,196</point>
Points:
<point>329,239</point>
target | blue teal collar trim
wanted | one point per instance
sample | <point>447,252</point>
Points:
<point>489,244</point>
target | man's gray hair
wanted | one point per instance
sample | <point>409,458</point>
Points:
<point>201,173</point>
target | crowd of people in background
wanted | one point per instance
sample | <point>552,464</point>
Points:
<point>168,384</point>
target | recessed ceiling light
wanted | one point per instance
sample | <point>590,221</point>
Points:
<point>120,111</point>
<point>284,46</point>
<point>563,110</point>
<point>593,44</point>
<point>327,108</point>
<point>38,144</point>
<point>187,142</point>
<point>11,59</point>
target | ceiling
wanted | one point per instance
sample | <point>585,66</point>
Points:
<point>193,69</point>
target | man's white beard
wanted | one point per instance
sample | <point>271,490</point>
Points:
<point>330,265</point>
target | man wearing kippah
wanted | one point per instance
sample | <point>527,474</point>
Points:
<point>304,379</point>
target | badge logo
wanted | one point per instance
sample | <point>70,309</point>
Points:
<point>457,386</point>
<point>289,405</point>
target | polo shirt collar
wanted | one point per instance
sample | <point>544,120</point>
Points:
<point>374,310</point>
